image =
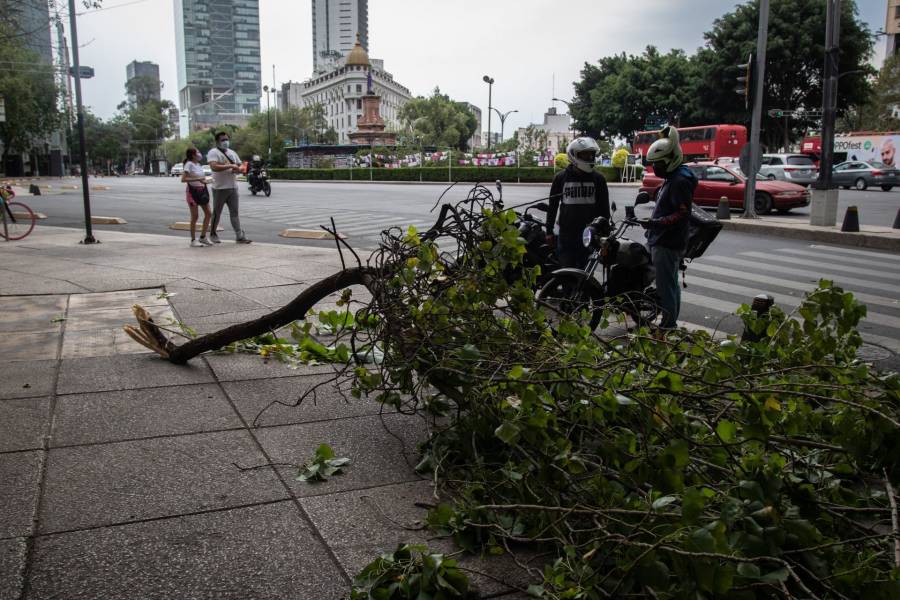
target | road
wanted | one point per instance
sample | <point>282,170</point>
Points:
<point>737,266</point>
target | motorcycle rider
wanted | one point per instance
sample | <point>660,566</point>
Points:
<point>579,194</point>
<point>668,227</point>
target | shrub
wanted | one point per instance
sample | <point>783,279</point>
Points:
<point>562,160</point>
<point>466,174</point>
<point>619,158</point>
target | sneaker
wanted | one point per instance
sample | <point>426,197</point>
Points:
<point>196,244</point>
<point>244,241</point>
<point>205,241</point>
<point>215,239</point>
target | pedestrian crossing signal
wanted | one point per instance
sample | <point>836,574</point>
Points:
<point>745,81</point>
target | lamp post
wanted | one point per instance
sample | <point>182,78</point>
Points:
<point>88,230</point>
<point>268,119</point>
<point>490,82</point>
<point>503,119</point>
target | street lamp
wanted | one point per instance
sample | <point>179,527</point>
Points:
<point>490,82</point>
<point>268,119</point>
<point>503,119</point>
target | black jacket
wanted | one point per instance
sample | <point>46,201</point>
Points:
<point>669,225</point>
<point>579,198</point>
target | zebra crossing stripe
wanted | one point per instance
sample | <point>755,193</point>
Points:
<point>808,275</point>
<point>784,283</point>
<point>846,259</point>
<point>816,264</point>
<point>856,252</point>
<point>787,301</point>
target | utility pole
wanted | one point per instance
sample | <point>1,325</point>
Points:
<point>490,82</point>
<point>276,100</point>
<point>823,209</point>
<point>88,230</point>
<point>756,115</point>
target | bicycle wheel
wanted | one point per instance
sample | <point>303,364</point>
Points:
<point>566,294</point>
<point>19,221</point>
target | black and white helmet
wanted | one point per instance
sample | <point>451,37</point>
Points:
<point>582,153</point>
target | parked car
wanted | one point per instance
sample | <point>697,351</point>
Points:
<point>718,180</point>
<point>863,174</point>
<point>796,168</point>
<point>177,170</point>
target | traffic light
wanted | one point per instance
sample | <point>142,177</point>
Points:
<point>745,81</point>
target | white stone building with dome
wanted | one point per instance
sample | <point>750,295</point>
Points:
<point>340,85</point>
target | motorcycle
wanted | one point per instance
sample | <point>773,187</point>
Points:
<point>258,177</point>
<point>537,251</point>
<point>619,274</point>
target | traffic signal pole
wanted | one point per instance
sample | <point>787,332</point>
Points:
<point>756,115</point>
<point>82,150</point>
<point>823,209</point>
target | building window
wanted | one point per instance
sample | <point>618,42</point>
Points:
<point>897,12</point>
<point>359,88</point>
<point>359,104</point>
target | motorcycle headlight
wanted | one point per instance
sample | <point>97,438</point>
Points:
<point>586,237</point>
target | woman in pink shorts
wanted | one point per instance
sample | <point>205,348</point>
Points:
<point>196,194</point>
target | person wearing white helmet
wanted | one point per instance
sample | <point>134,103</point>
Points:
<point>579,195</point>
<point>668,227</point>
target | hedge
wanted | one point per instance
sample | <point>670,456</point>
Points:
<point>472,174</point>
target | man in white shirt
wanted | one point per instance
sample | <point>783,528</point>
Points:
<point>225,165</point>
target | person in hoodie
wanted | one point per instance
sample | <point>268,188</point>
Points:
<point>668,226</point>
<point>579,195</point>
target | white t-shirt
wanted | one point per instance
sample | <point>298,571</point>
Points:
<point>194,170</point>
<point>223,180</point>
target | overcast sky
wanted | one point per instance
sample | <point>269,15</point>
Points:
<point>522,44</point>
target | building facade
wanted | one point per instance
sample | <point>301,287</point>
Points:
<point>341,91</point>
<point>150,71</point>
<point>475,140</point>
<point>892,27</point>
<point>556,126</point>
<point>219,72</point>
<point>336,25</point>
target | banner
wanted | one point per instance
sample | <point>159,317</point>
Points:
<point>882,148</point>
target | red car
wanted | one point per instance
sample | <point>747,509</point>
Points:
<point>718,180</point>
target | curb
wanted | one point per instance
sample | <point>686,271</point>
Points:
<point>831,236</point>
<point>635,184</point>
<point>98,220</point>
<point>186,226</point>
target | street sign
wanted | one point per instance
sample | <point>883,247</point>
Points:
<point>83,72</point>
<point>744,162</point>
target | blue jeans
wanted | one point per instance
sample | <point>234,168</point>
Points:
<point>666,262</point>
<point>571,252</point>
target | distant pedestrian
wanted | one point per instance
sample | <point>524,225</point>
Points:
<point>668,227</point>
<point>580,195</point>
<point>225,164</point>
<point>196,194</point>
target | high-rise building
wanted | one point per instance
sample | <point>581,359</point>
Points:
<point>148,71</point>
<point>892,28</point>
<point>219,72</point>
<point>337,24</point>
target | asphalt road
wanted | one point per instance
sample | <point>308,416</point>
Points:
<point>735,268</point>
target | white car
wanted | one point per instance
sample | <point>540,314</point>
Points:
<point>795,168</point>
<point>177,170</point>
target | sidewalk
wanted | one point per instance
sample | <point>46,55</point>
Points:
<point>120,470</point>
<point>868,236</point>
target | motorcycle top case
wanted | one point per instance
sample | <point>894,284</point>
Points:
<point>632,254</point>
<point>703,229</point>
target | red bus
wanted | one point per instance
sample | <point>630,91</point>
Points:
<point>706,142</point>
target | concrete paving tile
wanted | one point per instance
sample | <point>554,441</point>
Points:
<point>31,313</point>
<point>13,283</point>
<point>127,372</point>
<point>123,299</point>
<point>123,415</point>
<point>250,397</point>
<point>360,525</point>
<point>375,447</point>
<point>22,423</point>
<point>236,279</point>
<point>20,474</point>
<point>90,486</point>
<point>190,302</point>
<point>113,318</point>
<point>12,566</point>
<point>260,552</point>
<point>85,344</point>
<point>239,367</point>
<point>275,296</point>
<point>204,325</point>
<point>16,346</point>
<point>27,378</point>
<point>307,271</point>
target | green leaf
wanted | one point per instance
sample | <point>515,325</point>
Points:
<point>726,431</point>
<point>748,570</point>
<point>663,502</point>
<point>508,432</point>
<point>516,372</point>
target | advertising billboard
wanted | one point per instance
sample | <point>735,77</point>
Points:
<point>880,147</point>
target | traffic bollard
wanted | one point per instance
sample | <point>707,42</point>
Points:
<point>761,305</point>
<point>724,211</point>
<point>851,219</point>
<point>34,190</point>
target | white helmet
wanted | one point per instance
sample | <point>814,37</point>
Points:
<point>582,153</point>
<point>665,153</point>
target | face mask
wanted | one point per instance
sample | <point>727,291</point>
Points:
<point>225,144</point>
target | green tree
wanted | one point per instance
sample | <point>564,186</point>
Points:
<point>878,113</point>
<point>794,58</point>
<point>143,89</point>
<point>439,121</point>
<point>107,141</point>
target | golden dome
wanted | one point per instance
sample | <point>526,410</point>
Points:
<point>358,56</point>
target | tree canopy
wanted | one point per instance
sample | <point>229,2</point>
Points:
<point>439,121</point>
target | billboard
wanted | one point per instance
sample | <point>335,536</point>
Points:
<point>880,147</point>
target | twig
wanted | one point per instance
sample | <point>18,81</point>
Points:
<point>895,521</point>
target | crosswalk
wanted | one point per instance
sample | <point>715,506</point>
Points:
<point>718,284</point>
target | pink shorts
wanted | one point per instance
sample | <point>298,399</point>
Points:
<point>202,194</point>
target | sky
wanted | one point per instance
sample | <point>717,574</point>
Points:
<point>534,49</point>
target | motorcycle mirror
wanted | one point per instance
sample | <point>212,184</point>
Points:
<point>541,206</point>
<point>612,207</point>
<point>642,198</point>
<point>629,212</point>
